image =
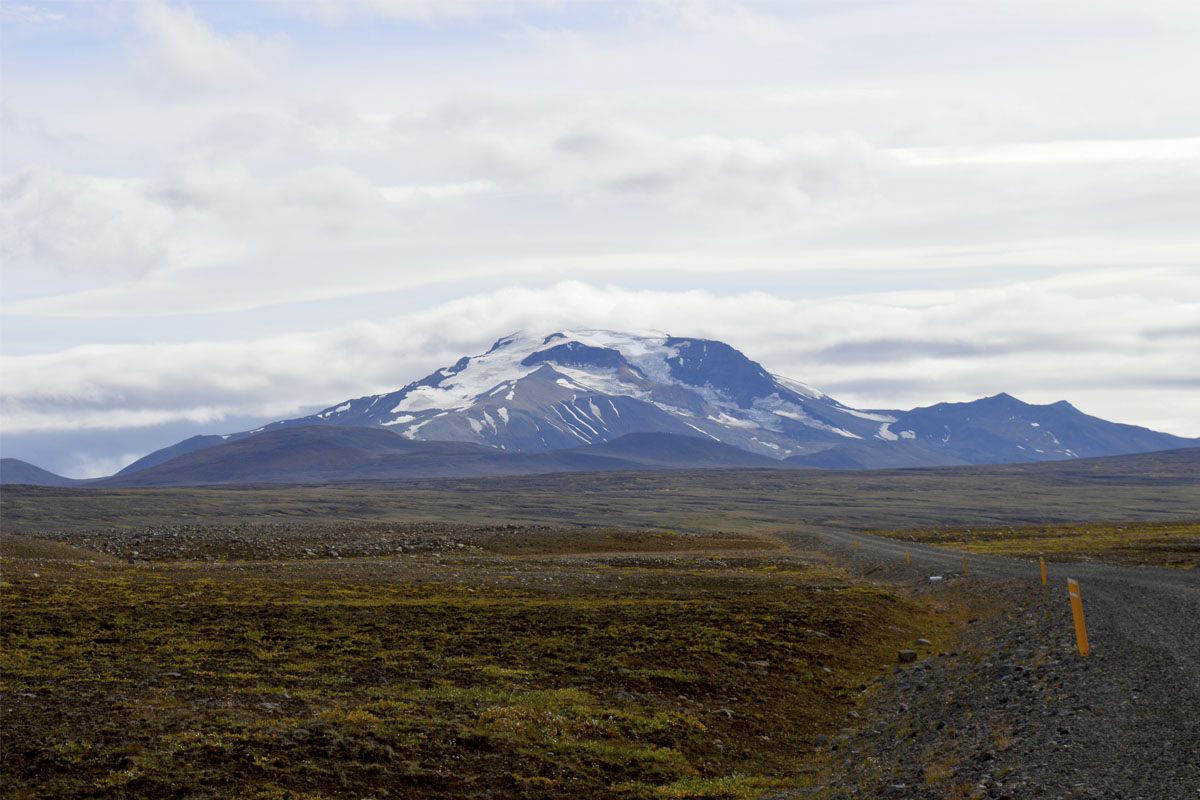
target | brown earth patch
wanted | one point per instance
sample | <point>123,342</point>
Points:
<point>1158,544</point>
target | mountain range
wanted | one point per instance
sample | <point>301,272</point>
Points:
<point>595,400</point>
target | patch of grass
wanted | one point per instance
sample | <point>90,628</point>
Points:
<point>730,787</point>
<point>1161,544</point>
<point>434,676</point>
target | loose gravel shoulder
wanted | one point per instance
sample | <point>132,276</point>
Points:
<point>1014,711</point>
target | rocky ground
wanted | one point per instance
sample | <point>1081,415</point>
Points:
<point>271,541</point>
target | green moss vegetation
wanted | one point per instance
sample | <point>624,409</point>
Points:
<point>1162,544</point>
<point>599,671</point>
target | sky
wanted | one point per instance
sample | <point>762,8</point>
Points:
<point>218,214</point>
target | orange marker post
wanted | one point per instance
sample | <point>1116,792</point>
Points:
<point>907,558</point>
<point>818,536</point>
<point>966,574</point>
<point>856,547</point>
<point>1077,613</point>
<point>1042,561</point>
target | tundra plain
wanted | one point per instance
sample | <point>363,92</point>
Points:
<point>611,635</point>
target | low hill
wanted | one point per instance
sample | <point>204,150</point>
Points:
<point>324,454</point>
<point>14,471</point>
<point>673,451</point>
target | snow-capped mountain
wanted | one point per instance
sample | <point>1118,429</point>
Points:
<point>578,389</point>
<point>571,388</point>
<point>992,430</point>
<point>1003,428</point>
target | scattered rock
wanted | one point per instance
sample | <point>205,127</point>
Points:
<point>907,656</point>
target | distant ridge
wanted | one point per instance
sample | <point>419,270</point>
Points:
<point>14,471</point>
<point>322,454</point>
<point>993,430</point>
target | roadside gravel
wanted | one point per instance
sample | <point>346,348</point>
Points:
<point>1014,711</point>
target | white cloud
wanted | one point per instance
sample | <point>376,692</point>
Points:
<point>1069,152</point>
<point>182,55</point>
<point>28,14</point>
<point>90,465</point>
<point>444,191</point>
<point>743,173</point>
<point>344,198</point>
<point>204,185</point>
<point>81,224</point>
<point>337,11</point>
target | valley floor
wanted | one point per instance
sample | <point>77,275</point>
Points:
<point>433,662</point>
<point>421,660</point>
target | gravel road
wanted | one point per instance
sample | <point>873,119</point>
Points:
<point>1030,717</point>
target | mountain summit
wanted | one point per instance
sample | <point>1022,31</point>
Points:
<point>587,389</point>
<point>572,388</point>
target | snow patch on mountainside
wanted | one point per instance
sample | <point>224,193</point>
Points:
<point>701,430</point>
<point>799,388</point>
<point>733,422</point>
<point>790,411</point>
<point>600,380</point>
<point>868,415</point>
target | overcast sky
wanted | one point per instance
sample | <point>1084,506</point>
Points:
<point>222,213</point>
